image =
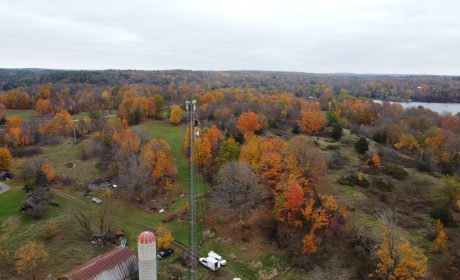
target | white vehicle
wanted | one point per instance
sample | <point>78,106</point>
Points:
<point>210,263</point>
<point>221,260</point>
<point>96,200</point>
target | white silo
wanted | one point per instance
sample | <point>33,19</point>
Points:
<point>147,256</point>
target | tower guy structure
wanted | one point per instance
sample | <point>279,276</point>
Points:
<point>147,256</point>
<point>190,106</point>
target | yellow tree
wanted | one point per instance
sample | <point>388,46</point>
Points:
<point>30,257</point>
<point>43,107</point>
<point>251,152</point>
<point>14,132</point>
<point>202,153</point>
<point>176,115</point>
<point>398,259</point>
<point>164,236</point>
<point>407,142</point>
<point>62,123</point>
<point>6,160</point>
<point>441,239</point>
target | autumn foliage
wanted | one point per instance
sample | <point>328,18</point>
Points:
<point>312,122</point>
<point>163,236</point>
<point>135,109</point>
<point>14,133</point>
<point>30,257</point>
<point>49,171</point>
<point>441,239</point>
<point>294,170</point>
<point>398,259</point>
<point>176,115</point>
<point>157,155</point>
<point>375,160</point>
<point>6,160</point>
<point>248,123</point>
<point>61,124</point>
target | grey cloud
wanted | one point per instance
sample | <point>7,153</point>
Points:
<point>360,36</point>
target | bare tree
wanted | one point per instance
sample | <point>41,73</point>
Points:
<point>236,190</point>
<point>133,175</point>
<point>84,217</point>
<point>96,220</point>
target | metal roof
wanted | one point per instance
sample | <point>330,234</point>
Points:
<point>114,265</point>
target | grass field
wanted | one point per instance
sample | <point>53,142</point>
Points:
<point>23,114</point>
<point>10,202</point>
<point>59,155</point>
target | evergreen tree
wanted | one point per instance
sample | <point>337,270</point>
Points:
<point>40,179</point>
<point>332,117</point>
<point>362,145</point>
<point>337,132</point>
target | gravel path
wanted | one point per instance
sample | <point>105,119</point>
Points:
<point>3,188</point>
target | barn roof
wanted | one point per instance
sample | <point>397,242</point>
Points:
<point>111,261</point>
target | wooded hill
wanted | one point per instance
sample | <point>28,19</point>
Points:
<point>390,87</point>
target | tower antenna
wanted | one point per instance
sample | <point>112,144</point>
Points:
<point>190,106</point>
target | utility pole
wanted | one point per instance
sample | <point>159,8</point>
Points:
<point>190,106</point>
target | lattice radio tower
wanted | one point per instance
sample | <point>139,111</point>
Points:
<point>190,106</point>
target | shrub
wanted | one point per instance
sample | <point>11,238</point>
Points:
<point>84,154</point>
<point>332,147</point>
<point>50,230</point>
<point>380,137</point>
<point>337,132</point>
<point>27,152</point>
<point>39,212</point>
<point>353,180</point>
<point>331,117</point>
<point>383,185</point>
<point>443,213</point>
<point>447,168</point>
<point>395,171</point>
<point>423,166</point>
<point>362,145</point>
<point>296,129</point>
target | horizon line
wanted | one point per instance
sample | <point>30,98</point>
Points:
<point>231,70</point>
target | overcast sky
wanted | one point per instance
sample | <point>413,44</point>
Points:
<point>323,36</point>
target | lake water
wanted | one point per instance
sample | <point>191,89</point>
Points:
<point>453,108</point>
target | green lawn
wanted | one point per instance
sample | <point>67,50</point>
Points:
<point>23,114</point>
<point>10,202</point>
<point>59,155</point>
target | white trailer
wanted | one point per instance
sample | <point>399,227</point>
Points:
<point>210,263</point>
<point>216,256</point>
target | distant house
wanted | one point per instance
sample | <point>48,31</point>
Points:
<point>117,264</point>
